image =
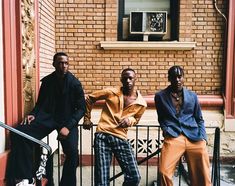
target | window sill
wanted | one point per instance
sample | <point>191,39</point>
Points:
<point>132,45</point>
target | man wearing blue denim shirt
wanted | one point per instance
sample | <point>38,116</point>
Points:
<point>181,121</point>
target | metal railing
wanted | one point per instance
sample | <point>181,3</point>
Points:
<point>40,172</point>
<point>39,142</point>
<point>146,141</point>
<point>215,175</point>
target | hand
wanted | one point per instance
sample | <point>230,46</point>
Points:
<point>64,132</point>
<point>28,119</point>
<point>124,123</point>
<point>87,125</point>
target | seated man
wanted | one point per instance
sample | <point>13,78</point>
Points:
<point>60,106</point>
<point>180,118</point>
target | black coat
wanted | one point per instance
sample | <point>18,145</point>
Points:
<point>59,105</point>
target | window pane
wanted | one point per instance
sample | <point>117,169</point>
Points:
<point>170,25</point>
<point>146,5</point>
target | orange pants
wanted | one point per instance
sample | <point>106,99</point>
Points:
<point>195,154</point>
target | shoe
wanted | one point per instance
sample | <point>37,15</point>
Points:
<point>26,182</point>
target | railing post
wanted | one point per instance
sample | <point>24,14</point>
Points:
<point>215,175</point>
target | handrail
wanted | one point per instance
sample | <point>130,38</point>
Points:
<point>41,143</point>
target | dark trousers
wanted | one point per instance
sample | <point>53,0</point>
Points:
<point>21,157</point>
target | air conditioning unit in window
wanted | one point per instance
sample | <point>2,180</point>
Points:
<point>148,22</point>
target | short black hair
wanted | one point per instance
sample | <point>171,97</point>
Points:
<point>127,69</point>
<point>175,70</point>
<point>58,54</point>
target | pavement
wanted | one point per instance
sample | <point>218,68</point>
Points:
<point>227,176</point>
<point>84,176</point>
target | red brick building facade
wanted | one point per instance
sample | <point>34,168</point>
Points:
<point>82,26</point>
<point>91,32</point>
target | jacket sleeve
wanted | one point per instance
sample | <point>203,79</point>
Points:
<point>159,107</point>
<point>79,106</point>
<point>91,99</point>
<point>199,119</point>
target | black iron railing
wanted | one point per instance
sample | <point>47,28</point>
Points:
<point>146,141</point>
<point>39,142</point>
<point>215,175</point>
<point>40,172</point>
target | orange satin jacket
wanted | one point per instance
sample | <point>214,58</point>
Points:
<point>113,110</point>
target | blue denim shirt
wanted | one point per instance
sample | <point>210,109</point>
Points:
<point>188,122</point>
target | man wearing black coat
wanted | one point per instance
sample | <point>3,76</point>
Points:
<point>60,106</point>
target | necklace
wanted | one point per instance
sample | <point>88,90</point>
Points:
<point>176,96</point>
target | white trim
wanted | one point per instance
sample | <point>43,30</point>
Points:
<point>2,118</point>
<point>131,45</point>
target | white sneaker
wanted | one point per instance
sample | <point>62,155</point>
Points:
<point>26,182</point>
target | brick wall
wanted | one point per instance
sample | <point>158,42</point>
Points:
<point>81,25</point>
<point>46,36</point>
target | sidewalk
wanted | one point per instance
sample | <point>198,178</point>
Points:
<point>227,176</point>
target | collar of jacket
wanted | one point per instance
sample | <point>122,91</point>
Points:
<point>140,100</point>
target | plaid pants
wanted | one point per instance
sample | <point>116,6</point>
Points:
<point>106,145</point>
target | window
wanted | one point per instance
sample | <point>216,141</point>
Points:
<point>148,20</point>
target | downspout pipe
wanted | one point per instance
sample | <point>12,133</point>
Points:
<point>224,48</point>
<point>217,9</point>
